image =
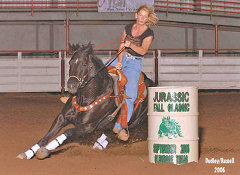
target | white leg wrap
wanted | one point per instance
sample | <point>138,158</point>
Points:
<point>97,146</point>
<point>61,138</point>
<point>102,138</point>
<point>55,143</point>
<point>52,145</point>
<point>31,152</point>
<point>104,144</point>
<point>101,142</point>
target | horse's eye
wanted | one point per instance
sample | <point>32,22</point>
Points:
<point>84,64</point>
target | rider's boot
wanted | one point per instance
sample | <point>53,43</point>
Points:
<point>122,134</point>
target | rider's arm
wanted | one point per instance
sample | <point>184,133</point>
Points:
<point>142,50</point>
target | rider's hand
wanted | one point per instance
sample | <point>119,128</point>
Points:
<point>119,66</point>
<point>127,44</point>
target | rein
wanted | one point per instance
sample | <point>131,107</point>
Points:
<point>114,57</point>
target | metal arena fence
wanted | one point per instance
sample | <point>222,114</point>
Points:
<point>47,71</point>
<point>209,7</point>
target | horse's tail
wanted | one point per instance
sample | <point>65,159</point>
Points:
<point>148,81</point>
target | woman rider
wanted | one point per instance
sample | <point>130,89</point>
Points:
<point>138,37</point>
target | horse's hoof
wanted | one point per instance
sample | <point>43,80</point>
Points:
<point>42,153</point>
<point>22,156</point>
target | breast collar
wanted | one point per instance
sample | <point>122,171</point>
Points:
<point>87,108</point>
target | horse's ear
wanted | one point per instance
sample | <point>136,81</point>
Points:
<point>72,47</point>
<point>89,48</point>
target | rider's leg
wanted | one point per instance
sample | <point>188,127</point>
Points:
<point>132,71</point>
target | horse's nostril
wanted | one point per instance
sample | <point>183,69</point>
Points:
<point>72,81</point>
<point>72,85</point>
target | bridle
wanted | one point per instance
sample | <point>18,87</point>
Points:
<point>82,81</point>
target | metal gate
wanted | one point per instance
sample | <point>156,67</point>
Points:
<point>221,72</point>
<point>18,74</point>
<point>45,74</point>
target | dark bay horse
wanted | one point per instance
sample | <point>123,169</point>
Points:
<point>90,87</point>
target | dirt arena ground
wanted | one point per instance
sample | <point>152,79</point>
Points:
<point>26,117</point>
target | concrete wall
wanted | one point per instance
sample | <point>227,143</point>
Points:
<point>48,31</point>
<point>53,37</point>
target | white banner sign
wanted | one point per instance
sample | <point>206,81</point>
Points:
<point>122,5</point>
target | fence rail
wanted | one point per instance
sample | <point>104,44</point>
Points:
<point>22,73</point>
<point>210,7</point>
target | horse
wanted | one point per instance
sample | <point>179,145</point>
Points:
<point>90,87</point>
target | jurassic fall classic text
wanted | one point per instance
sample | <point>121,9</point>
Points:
<point>177,102</point>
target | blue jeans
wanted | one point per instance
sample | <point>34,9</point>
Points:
<point>132,69</point>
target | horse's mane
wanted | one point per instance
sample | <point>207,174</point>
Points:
<point>88,49</point>
<point>81,47</point>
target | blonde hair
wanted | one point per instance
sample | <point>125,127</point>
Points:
<point>152,17</point>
